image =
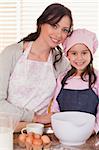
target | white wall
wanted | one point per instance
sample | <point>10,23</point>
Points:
<point>18,18</point>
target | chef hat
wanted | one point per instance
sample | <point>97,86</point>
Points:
<point>81,36</point>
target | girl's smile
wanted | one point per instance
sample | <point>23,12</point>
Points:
<point>79,56</point>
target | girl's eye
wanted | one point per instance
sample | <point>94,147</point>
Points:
<point>84,53</point>
<point>73,53</point>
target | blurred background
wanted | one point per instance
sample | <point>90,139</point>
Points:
<point>18,18</point>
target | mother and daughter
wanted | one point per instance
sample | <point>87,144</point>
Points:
<point>29,70</point>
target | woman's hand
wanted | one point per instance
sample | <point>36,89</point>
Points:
<point>45,119</point>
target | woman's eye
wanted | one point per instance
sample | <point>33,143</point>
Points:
<point>55,26</point>
<point>66,30</point>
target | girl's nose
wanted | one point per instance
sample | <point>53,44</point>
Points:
<point>79,56</point>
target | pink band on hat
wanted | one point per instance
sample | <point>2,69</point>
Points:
<point>81,36</point>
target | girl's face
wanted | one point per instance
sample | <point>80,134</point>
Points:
<point>53,35</point>
<point>79,56</point>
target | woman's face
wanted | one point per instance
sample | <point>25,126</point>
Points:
<point>53,35</point>
<point>79,56</point>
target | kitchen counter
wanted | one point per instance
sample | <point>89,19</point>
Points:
<point>91,144</point>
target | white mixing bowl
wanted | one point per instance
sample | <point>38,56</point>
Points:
<point>72,127</point>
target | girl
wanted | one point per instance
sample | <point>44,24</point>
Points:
<point>78,88</point>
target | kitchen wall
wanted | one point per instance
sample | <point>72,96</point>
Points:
<point>18,18</point>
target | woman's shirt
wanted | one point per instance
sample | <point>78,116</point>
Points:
<point>32,83</point>
<point>8,60</point>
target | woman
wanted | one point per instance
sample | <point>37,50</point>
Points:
<point>30,67</point>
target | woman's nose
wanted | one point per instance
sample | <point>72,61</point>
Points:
<point>59,34</point>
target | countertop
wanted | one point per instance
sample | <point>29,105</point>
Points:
<point>91,144</point>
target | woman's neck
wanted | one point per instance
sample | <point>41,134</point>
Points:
<point>39,50</point>
<point>40,46</point>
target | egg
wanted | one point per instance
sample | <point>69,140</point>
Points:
<point>29,139</point>
<point>30,134</point>
<point>37,136</point>
<point>37,142</point>
<point>45,139</point>
<point>22,139</point>
<point>21,144</point>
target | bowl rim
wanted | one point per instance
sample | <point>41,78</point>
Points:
<point>55,115</point>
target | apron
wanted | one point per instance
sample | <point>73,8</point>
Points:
<point>78,100</point>
<point>32,83</point>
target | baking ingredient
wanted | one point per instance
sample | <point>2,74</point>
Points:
<point>34,141</point>
<point>37,136</point>
<point>22,139</point>
<point>45,139</point>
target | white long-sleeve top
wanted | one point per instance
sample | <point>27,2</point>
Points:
<point>8,60</point>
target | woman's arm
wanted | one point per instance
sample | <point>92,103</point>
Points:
<point>7,60</point>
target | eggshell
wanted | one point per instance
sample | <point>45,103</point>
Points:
<point>29,139</point>
<point>22,139</point>
<point>45,139</point>
<point>37,136</point>
<point>37,142</point>
<point>21,144</point>
<point>35,147</point>
<point>30,134</point>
